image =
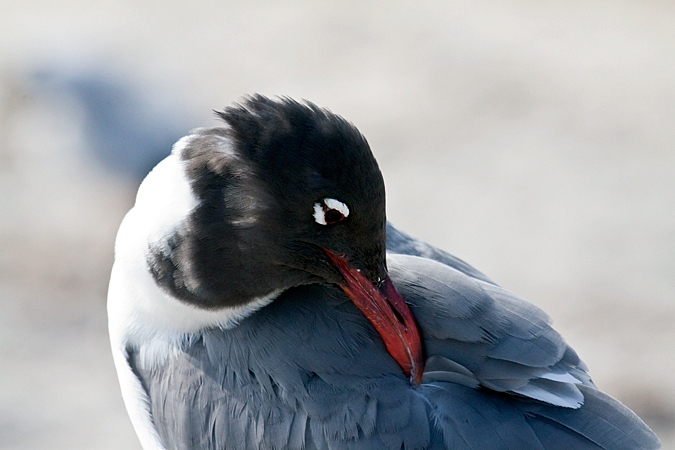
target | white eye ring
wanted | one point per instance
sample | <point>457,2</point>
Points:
<point>329,204</point>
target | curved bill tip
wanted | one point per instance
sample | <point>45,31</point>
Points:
<point>387,311</point>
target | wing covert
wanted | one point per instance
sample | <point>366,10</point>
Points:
<point>504,342</point>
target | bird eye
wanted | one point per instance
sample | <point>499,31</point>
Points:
<point>333,215</point>
<point>330,211</point>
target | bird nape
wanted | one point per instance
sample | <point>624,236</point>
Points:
<point>259,299</point>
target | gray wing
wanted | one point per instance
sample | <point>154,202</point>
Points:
<point>482,337</point>
<point>481,334</point>
<point>496,339</point>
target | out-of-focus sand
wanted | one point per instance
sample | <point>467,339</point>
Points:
<point>536,141</point>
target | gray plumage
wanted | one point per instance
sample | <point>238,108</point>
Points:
<point>309,372</point>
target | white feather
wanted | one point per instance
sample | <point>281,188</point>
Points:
<point>140,314</point>
<point>561,377</point>
<point>558,394</point>
<point>331,203</point>
<point>319,214</point>
<point>338,205</point>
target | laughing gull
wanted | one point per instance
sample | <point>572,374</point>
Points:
<point>260,300</point>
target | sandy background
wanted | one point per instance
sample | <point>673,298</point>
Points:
<point>536,141</point>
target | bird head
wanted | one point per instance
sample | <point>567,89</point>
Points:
<point>287,194</point>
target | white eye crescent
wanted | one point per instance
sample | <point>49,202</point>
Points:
<point>330,211</point>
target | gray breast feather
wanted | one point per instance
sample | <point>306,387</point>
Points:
<point>306,372</point>
<point>310,372</point>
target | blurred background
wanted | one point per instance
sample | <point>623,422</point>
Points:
<point>535,140</point>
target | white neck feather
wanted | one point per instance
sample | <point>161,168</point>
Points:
<point>141,314</point>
